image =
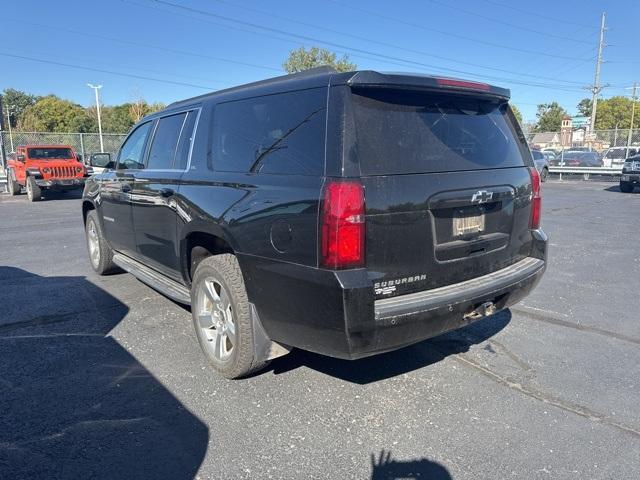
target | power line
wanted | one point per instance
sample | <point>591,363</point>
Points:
<point>415,25</point>
<point>358,50</point>
<point>101,70</point>
<point>535,14</point>
<point>502,22</point>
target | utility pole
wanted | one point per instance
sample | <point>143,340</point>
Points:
<point>3,157</point>
<point>95,89</point>
<point>633,112</point>
<point>596,88</point>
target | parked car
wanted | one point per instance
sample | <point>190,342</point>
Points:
<point>615,156</point>
<point>572,158</point>
<point>630,177</point>
<point>44,167</point>
<point>540,159</point>
<point>343,213</point>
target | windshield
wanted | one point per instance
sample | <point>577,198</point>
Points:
<point>54,153</point>
<point>400,132</point>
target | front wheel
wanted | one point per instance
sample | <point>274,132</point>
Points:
<point>626,187</point>
<point>222,317</point>
<point>34,193</point>
<point>100,253</point>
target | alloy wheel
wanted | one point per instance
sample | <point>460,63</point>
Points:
<point>216,318</point>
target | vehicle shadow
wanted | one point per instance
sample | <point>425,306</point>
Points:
<point>386,365</point>
<point>385,468</point>
<point>73,402</point>
<point>616,188</point>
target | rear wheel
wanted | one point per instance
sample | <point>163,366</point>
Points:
<point>626,187</point>
<point>222,317</point>
<point>34,193</point>
<point>544,174</point>
<point>12,185</point>
<point>100,253</point>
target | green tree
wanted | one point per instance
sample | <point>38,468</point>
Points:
<point>303,59</point>
<point>584,107</point>
<point>116,119</point>
<point>550,117</point>
<point>614,111</point>
<point>53,114</point>
<point>516,113</point>
<point>17,101</point>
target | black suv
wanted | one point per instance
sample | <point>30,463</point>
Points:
<point>630,177</point>
<point>343,213</point>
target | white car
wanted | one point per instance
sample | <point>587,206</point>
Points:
<point>615,156</point>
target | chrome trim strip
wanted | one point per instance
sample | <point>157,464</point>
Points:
<point>457,292</point>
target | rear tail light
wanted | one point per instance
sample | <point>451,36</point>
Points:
<point>536,199</point>
<point>342,227</point>
<point>452,82</point>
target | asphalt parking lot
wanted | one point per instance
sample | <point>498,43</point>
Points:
<point>102,377</point>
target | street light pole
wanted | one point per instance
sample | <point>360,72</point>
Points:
<point>9,124</point>
<point>633,112</point>
<point>95,89</point>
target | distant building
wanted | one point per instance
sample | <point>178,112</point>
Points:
<point>546,140</point>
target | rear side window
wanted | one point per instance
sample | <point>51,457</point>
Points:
<point>278,134</point>
<point>399,132</point>
<point>184,144</point>
<point>165,142</point>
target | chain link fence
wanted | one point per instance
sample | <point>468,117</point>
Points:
<point>83,143</point>
<point>599,140</point>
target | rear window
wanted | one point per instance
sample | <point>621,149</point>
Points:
<point>50,153</point>
<point>401,132</point>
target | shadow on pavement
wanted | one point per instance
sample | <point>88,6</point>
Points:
<point>385,468</point>
<point>73,402</point>
<point>386,365</point>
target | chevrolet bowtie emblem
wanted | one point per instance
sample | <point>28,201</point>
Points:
<point>481,196</point>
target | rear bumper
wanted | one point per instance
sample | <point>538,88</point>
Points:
<point>60,184</point>
<point>336,313</point>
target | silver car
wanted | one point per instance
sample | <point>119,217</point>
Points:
<point>541,162</point>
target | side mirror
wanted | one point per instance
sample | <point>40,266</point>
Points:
<point>20,158</point>
<point>102,160</point>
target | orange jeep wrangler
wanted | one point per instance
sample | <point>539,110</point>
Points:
<point>44,167</point>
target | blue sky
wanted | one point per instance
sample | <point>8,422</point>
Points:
<point>542,50</point>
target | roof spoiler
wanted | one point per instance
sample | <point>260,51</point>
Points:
<point>372,79</point>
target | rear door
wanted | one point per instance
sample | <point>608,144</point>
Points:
<point>447,187</point>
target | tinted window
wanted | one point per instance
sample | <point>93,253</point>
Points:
<point>410,132</point>
<point>133,148</point>
<point>184,144</point>
<point>537,155</point>
<point>165,142</point>
<point>283,133</point>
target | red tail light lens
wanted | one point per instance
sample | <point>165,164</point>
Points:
<point>452,82</point>
<point>536,199</point>
<point>342,225</point>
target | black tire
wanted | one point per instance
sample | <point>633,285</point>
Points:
<point>626,187</point>
<point>544,174</point>
<point>13,186</point>
<point>100,253</point>
<point>224,272</point>
<point>34,193</point>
